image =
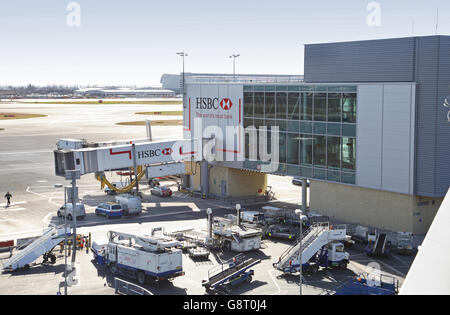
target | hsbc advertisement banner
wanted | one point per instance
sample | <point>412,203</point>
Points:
<point>212,108</point>
<point>110,158</point>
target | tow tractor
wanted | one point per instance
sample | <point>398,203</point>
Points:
<point>320,247</point>
<point>222,278</point>
<point>140,257</point>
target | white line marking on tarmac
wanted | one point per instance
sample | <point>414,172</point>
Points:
<point>13,209</point>
<point>46,219</point>
<point>13,203</point>
<point>399,259</point>
<point>275,282</point>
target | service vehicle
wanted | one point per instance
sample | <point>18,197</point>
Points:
<point>161,191</point>
<point>320,247</point>
<point>234,237</point>
<point>223,277</point>
<point>255,217</point>
<point>131,204</point>
<point>280,231</point>
<point>381,246</point>
<point>67,209</point>
<point>404,243</point>
<point>364,234</point>
<point>109,210</point>
<point>140,257</point>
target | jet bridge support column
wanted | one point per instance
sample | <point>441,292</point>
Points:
<point>204,182</point>
<point>304,192</point>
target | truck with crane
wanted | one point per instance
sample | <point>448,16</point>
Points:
<point>146,257</point>
<point>319,247</point>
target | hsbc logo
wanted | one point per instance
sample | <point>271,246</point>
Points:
<point>213,103</point>
<point>153,153</point>
<point>226,104</point>
<point>167,151</point>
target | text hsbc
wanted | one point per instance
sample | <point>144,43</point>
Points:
<point>207,103</point>
<point>148,153</point>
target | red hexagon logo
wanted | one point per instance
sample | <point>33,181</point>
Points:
<point>226,104</point>
<point>167,151</point>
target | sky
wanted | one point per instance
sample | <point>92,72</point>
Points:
<point>134,42</point>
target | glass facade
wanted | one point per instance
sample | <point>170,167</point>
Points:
<point>317,128</point>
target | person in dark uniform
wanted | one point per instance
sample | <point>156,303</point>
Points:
<point>8,197</point>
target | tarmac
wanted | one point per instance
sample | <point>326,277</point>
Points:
<point>27,171</point>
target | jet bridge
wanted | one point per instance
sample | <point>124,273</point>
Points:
<point>100,159</point>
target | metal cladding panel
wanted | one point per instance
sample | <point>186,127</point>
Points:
<point>398,149</point>
<point>443,126</point>
<point>369,136</point>
<point>426,76</point>
<point>385,132</point>
<point>387,60</point>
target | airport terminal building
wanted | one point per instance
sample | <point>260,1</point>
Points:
<point>365,125</point>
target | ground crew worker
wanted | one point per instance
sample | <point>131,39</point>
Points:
<point>8,197</point>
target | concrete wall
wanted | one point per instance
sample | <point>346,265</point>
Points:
<point>376,208</point>
<point>239,182</point>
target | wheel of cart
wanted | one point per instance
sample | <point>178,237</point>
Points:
<point>113,268</point>
<point>141,278</point>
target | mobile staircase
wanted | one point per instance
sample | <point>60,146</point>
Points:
<point>223,277</point>
<point>36,247</point>
<point>317,236</point>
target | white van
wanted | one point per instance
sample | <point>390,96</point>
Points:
<point>80,211</point>
<point>131,205</point>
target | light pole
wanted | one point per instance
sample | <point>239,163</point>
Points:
<point>182,54</point>
<point>302,218</point>
<point>234,56</point>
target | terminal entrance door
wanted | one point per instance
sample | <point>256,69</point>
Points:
<point>223,186</point>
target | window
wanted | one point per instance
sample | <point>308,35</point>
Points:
<point>320,150</point>
<point>270,105</point>
<point>294,106</point>
<point>334,152</point>
<point>306,106</point>
<point>320,128</point>
<point>281,100</point>
<point>282,147</point>
<point>259,104</point>
<point>348,153</point>
<point>248,104</point>
<point>248,122</point>
<point>293,149</point>
<point>320,106</point>
<point>334,107</point>
<point>306,149</point>
<point>349,107</point>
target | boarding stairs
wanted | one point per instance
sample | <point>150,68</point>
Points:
<point>318,235</point>
<point>35,248</point>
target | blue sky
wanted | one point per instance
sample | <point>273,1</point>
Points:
<point>134,42</point>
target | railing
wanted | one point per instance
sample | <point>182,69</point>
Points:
<point>127,288</point>
<point>245,79</point>
<point>307,239</point>
<point>225,265</point>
